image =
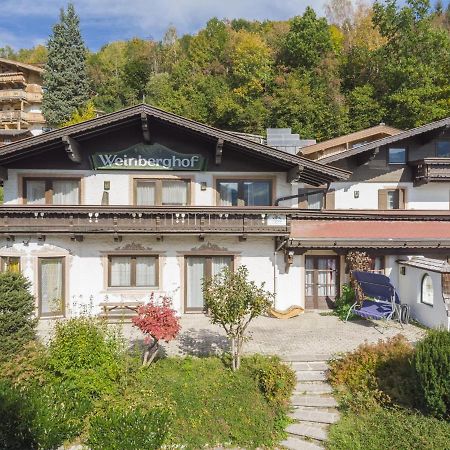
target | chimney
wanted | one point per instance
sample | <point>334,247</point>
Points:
<point>283,139</point>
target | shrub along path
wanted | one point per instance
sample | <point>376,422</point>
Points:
<point>314,405</point>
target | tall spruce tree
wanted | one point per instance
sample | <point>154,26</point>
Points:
<point>66,86</point>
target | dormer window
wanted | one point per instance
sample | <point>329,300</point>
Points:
<point>397,155</point>
<point>443,148</point>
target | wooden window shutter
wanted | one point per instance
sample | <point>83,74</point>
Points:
<point>401,198</point>
<point>330,199</point>
<point>382,198</point>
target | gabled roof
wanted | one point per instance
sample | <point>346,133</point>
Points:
<point>309,171</point>
<point>387,140</point>
<point>22,65</point>
<point>351,137</point>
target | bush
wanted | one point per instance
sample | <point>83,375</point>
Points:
<point>129,425</point>
<point>388,429</point>
<point>432,364</point>
<point>14,424</point>
<point>344,302</point>
<point>85,357</point>
<point>17,305</point>
<point>276,380</point>
<point>375,374</point>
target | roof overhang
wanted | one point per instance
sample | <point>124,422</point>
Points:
<point>300,169</point>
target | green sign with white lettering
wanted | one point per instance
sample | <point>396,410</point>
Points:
<point>147,157</point>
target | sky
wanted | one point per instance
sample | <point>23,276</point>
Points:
<point>26,23</point>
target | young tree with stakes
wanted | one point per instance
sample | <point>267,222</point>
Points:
<point>66,85</point>
<point>233,302</point>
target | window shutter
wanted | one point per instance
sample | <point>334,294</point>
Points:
<point>401,198</point>
<point>330,199</point>
<point>382,199</point>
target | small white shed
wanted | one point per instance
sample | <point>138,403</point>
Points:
<point>424,284</point>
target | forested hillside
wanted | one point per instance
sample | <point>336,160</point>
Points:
<point>321,76</point>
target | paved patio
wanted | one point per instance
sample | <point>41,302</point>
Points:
<point>300,338</point>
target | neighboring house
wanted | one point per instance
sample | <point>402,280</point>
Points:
<point>339,144</point>
<point>20,101</point>
<point>395,205</point>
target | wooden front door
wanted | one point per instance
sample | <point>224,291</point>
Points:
<point>321,281</point>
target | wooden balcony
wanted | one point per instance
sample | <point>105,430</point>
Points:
<point>13,95</point>
<point>12,77</point>
<point>430,170</point>
<point>12,116</point>
<point>121,220</point>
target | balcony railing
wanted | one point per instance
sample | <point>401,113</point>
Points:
<point>80,220</point>
<point>9,95</point>
<point>12,116</point>
<point>12,77</point>
<point>431,169</point>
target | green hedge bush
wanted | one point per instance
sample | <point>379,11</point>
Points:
<point>375,374</point>
<point>432,364</point>
<point>276,380</point>
<point>17,305</point>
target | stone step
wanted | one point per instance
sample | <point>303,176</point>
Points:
<point>295,443</point>
<point>324,401</point>
<point>315,387</point>
<point>312,414</point>
<point>307,358</point>
<point>309,365</point>
<point>311,375</point>
<point>310,430</point>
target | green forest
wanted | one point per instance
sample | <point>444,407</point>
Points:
<point>323,76</point>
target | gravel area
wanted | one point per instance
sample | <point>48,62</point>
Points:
<point>296,339</point>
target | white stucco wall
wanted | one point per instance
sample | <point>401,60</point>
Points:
<point>86,268</point>
<point>433,196</point>
<point>433,316</point>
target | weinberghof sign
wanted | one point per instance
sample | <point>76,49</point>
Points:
<point>147,157</point>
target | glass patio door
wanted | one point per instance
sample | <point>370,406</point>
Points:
<point>321,281</point>
<point>197,269</point>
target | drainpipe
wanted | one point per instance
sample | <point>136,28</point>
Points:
<point>275,273</point>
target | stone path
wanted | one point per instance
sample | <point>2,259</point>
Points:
<point>314,407</point>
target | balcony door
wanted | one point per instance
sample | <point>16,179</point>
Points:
<point>321,281</point>
<point>197,269</point>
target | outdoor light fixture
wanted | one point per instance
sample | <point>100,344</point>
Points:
<point>106,185</point>
<point>355,194</point>
<point>203,186</point>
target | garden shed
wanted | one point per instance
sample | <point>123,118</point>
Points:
<point>424,284</point>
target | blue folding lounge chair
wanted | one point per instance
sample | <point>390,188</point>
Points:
<point>380,298</point>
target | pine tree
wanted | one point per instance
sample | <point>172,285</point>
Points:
<point>66,86</point>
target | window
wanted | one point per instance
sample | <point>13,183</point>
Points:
<point>391,199</point>
<point>377,264</point>
<point>155,192</point>
<point>244,192</point>
<point>133,271</point>
<point>311,198</point>
<point>10,264</point>
<point>397,155</point>
<point>198,268</point>
<point>427,290</point>
<point>43,191</point>
<point>443,148</point>
<point>51,286</point>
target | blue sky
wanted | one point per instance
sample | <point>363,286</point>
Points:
<point>25,23</point>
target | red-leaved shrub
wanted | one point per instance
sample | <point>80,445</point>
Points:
<point>158,321</point>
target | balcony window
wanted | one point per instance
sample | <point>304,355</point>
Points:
<point>397,155</point>
<point>443,149</point>
<point>311,198</point>
<point>244,192</point>
<point>391,199</point>
<point>133,271</point>
<point>42,191</point>
<point>155,192</point>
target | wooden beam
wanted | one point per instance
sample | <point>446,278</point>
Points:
<point>72,149</point>
<point>219,151</point>
<point>3,173</point>
<point>294,173</point>
<point>145,129</point>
